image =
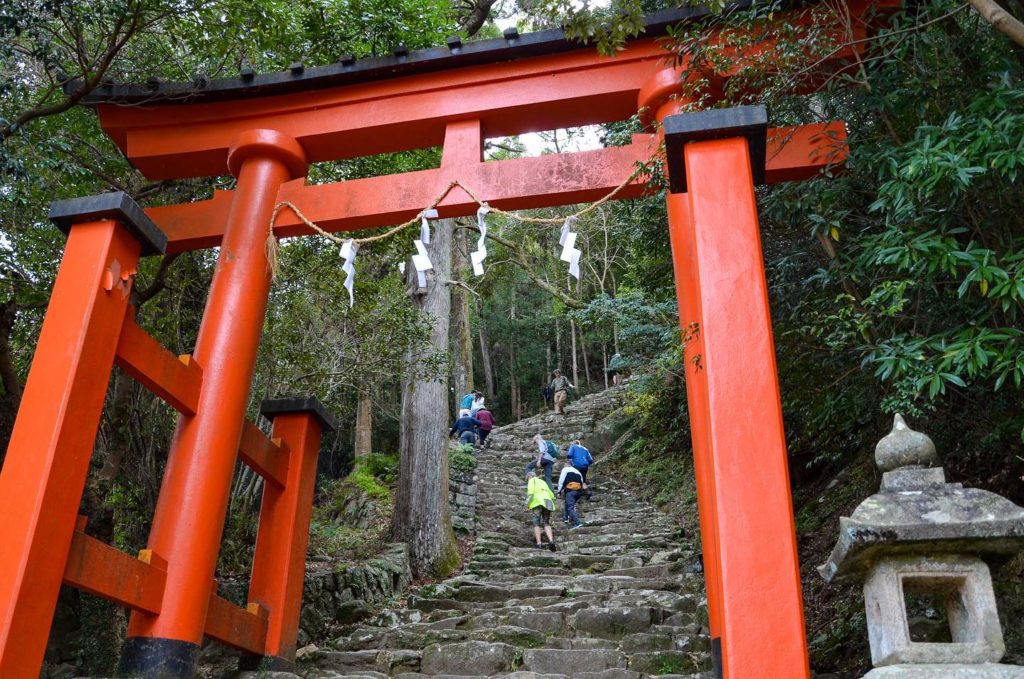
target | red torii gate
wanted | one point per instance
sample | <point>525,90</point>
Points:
<point>265,130</point>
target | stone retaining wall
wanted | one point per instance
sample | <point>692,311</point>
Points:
<point>345,594</point>
<point>462,500</point>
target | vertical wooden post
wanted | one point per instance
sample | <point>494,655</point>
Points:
<point>753,575</point>
<point>190,512</point>
<point>48,456</point>
<point>280,563</point>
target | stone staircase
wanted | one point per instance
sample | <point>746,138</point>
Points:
<point>621,598</point>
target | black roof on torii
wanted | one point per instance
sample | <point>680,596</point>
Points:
<point>349,71</point>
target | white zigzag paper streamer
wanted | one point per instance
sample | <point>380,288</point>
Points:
<point>348,252</point>
<point>570,253</point>
<point>425,226</point>
<point>478,257</point>
<point>422,263</point>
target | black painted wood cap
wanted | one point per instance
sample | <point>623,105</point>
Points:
<point>400,63</point>
<point>117,205</point>
<point>272,407</point>
<point>740,121</point>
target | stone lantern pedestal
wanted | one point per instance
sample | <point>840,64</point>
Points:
<point>922,538</point>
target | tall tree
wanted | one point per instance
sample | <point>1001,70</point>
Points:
<point>421,517</point>
<point>462,331</point>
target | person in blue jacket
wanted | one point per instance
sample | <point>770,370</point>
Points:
<point>466,429</point>
<point>579,457</point>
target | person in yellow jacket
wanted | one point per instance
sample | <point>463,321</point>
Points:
<point>541,501</point>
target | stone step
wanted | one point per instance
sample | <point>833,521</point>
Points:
<point>615,601</point>
<point>617,622</point>
<point>558,661</point>
<point>469,658</point>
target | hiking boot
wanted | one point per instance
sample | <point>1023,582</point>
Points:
<point>552,547</point>
<point>578,525</point>
<point>539,546</point>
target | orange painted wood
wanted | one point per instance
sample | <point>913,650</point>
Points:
<point>525,95</point>
<point>189,518</point>
<point>109,573</point>
<point>177,380</point>
<point>279,564</point>
<point>235,626</point>
<point>522,183</point>
<point>267,458</point>
<point>753,576</point>
<point>48,456</point>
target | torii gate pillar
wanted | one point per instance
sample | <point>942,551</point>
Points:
<point>193,498</point>
<point>755,606</point>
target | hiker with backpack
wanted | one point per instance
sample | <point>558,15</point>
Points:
<point>541,501</point>
<point>486,420</point>
<point>571,487</point>
<point>547,453</point>
<point>560,387</point>
<point>579,457</point>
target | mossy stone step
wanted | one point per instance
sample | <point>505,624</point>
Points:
<point>469,658</point>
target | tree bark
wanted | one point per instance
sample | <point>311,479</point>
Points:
<point>575,362</point>
<point>513,374</point>
<point>11,398</point>
<point>558,348</point>
<point>485,359</point>
<point>604,362</point>
<point>421,517</point>
<point>1001,20</point>
<point>462,338</point>
<point>8,372</point>
<point>586,360</point>
<point>364,422</point>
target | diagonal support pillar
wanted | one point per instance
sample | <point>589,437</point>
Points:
<point>279,565</point>
<point>47,460</point>
<point>753,577</point>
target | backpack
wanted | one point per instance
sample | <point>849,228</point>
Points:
<point>552,450</point>
<point>579,456</point>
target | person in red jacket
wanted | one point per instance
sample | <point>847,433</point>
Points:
<point>486,424</point>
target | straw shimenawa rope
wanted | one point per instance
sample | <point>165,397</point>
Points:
<point>272,245</point>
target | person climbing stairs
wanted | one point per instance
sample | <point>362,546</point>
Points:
<point>622,598</point>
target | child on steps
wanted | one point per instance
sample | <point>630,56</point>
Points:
<point>541,501</point>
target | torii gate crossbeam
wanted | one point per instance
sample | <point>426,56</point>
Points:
<point>266,130</point>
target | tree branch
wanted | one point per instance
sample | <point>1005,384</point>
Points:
<point>159,281</point>
<point>114,45</point>
<point>1001,20</point>
<point>524,264</point>
<point>474,21</point>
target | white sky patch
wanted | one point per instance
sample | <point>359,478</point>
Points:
<point>586,138</point>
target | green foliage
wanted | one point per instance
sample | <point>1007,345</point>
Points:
<point>382,466</point>
<point>345,543</point>
<point>462,459</point>
<point>365,478</point>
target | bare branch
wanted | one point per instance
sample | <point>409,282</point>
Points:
<point>1001,20</point>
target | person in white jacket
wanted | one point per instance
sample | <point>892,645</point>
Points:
<point>571,487</point>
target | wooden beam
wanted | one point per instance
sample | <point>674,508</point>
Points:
<point>266,456</point>
<point>237,627</point>
<point>175,379</point>
<point>794,153</point>
<point>536,93</point>
<point>109,573</point>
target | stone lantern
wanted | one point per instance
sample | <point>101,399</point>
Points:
<point>922,538</point>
